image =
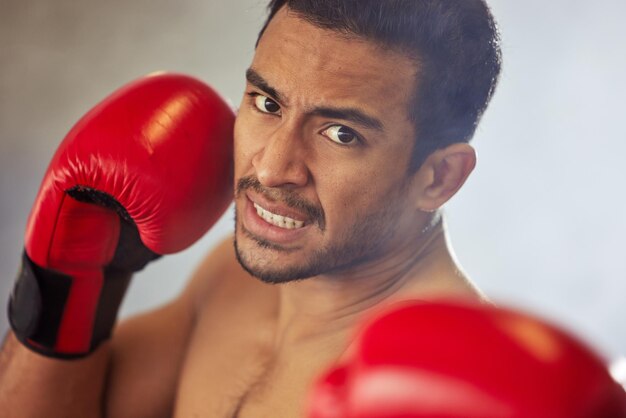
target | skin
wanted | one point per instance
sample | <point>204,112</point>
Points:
<point>232,345</point>
<point>291,150</point>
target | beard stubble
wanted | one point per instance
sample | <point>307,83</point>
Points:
<point>365,241</point>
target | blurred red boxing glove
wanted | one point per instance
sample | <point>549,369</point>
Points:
<point>144,173</point>
<point>450,360</point>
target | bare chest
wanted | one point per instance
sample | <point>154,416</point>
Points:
<point>232,370</point>
<point>244,381</point>
<point>234,367</point>
<point>215,386</point>
<point>281,391</point>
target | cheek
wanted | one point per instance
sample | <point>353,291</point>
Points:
<point>243,144</point>
<point>362,188</point>
<point>346,193</point>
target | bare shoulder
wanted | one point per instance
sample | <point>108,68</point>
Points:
<point>149,350</point>
<point>219,277</point>
<point>220,280</point>
<point>229,346</point>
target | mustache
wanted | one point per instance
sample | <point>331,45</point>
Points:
<point>288,197</point>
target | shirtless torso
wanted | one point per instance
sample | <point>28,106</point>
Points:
<point>221,350</point>
<point>246,374</point>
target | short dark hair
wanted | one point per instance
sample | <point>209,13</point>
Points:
<point>455,44</point>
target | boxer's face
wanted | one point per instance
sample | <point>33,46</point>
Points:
<point>322,146</point>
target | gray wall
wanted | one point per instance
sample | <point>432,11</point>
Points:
<point>539,225</point>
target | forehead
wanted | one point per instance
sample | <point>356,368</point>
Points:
<point>312,65</point>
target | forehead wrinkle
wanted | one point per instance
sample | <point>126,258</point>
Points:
<point>354,114</point>
<point>319,67</point>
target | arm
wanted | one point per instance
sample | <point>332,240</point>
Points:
<point>133,375</point>
<point>31,383</point>
<point>145,173</point>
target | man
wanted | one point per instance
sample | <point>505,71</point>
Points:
<point>352,133</point>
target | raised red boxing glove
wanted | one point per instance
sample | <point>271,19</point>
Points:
<point>452,360</point>
<point>146,172</point>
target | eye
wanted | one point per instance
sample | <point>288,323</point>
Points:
<point>266,105</point>
<point>340,134</point>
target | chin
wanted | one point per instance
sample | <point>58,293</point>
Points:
<point>265,266</point>
<point>274,264</point>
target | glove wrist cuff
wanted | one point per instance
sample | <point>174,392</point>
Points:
<point>49,311</point>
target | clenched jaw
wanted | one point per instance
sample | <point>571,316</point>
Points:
<point>278,220</point>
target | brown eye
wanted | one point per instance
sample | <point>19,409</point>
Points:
<point>340,134</point>
<point>266,105</point>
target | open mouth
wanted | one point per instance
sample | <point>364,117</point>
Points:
<point>280,221</point>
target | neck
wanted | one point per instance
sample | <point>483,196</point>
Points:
<point>422,267</point>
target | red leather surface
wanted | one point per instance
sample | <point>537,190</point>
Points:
<point>161,147</point>
<point>445,360</point>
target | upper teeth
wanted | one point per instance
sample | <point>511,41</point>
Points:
<point>277,220</point>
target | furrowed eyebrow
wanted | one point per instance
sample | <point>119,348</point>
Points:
<point>350,114</point>
<point>259,82</point>
<point>354,115</point>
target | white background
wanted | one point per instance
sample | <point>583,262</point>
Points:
<point>540,224</point>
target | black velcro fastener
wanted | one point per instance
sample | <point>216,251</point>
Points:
<point>37,303</point>
<point>113,290</point>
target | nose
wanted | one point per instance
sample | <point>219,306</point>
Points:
<point>282,160</point>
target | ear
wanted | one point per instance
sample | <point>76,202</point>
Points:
<point>442,175</point>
